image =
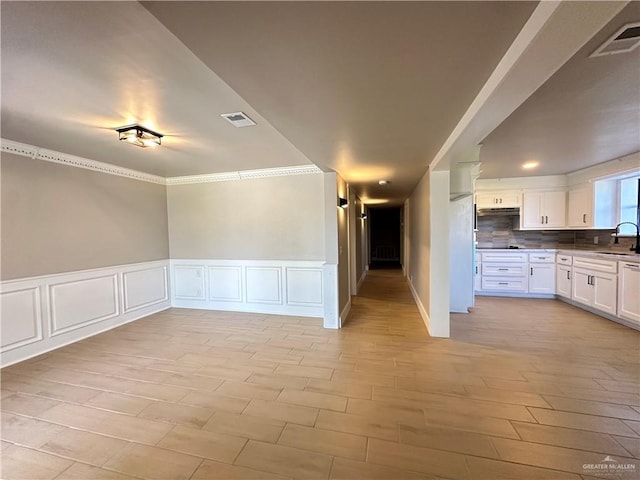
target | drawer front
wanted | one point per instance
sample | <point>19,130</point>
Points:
<point>564,259</point>
<point>504,284</point>
<point>542,258</point>
<point>505,269</point>
<point>504,257</point>
<point>596,264</point>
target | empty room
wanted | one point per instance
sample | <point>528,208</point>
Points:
<point>320,240</point>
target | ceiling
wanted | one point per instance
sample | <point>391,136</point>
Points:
<point>587,113</point>
<point>372,90</point>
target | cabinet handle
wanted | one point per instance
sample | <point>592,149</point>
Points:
<point>503,283</point>
<point>542,219</point>
<point>546,219</point>
<point>501,201</point>
<point>531,270</point>
<point>476,269</point>
<point>632,265</point>
<point>568,275</point>
<point>593,280</point>
<point>584,218</point>
<point>503,269</point>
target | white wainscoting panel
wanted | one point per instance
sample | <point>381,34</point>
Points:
<point>264,285</point>
<point>73,305</point>
<point>225,283</point>
<point>39,314</point>
<point>145,287</point>
<point>260,286</point>
<point>20,317</point>
<point>189,282</point>
<point>304,286</point>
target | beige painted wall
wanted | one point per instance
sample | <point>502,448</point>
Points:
<point>419,240</point>
<point>56,218</point>
<point>276,218</point>
<point>344,294</point>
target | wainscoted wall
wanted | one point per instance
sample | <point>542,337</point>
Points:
<point>263,286</point>
<point>498,232</point>
<point>38,314</point>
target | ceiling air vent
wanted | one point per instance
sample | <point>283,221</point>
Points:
<point>624,40</point>
<point>238,119</point>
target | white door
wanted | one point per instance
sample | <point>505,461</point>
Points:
<point>581,288</point>
<point>555,209</point>
<point>542,278</point>
<point>605,292</point>
<point>563,281</point>
<point>532,216</point>
<point>628,296</point>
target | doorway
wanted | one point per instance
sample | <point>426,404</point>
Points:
<point>385,235</point>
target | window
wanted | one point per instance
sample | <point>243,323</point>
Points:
<point>628,198</point>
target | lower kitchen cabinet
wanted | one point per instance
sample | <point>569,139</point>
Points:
<point>563,281</point>
<point>629,292</point>
<point>595,289</point>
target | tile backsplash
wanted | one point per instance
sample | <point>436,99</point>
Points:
<point>498,232</point>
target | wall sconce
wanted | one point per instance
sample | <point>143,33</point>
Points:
<point>139,136</point>
<point>363,216</point>
<point>343,202</point>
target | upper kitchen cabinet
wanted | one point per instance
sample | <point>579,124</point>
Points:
<point>592,205</point>
<point>580,212</point>
<point>504,199</point>
<point>541,210</point>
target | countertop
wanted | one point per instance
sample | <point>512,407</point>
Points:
<point>603,254</point>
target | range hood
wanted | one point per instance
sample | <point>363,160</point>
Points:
<point>499,211</point>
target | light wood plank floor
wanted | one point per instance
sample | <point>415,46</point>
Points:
<point>524,389</point>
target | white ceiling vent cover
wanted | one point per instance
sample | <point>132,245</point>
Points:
<point>238,119</point>
<point>624,40</point>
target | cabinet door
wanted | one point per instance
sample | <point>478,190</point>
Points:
<point>555,209</point>
<point>477,283</point>
<point>532,216</point>
<point>509,199</point>
<point>486,200</point>
<point>563,281</point>
<point>581,208</point>
<point>542,278</point>
<point>581,291</point>
<point>605,292</point>
<point>628,297</point>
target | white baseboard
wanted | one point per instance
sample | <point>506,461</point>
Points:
<point>39,314</point>
<point>257,286</point>
<point>364,275</point>
<point>421,309</point>
<point>345,312</point>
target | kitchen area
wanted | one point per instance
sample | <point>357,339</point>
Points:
<point>559,237</point>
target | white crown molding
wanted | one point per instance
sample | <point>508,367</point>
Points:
<point>37,153</point>
<point>244,175</point>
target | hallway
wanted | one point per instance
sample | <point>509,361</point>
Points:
<point>525,389</point>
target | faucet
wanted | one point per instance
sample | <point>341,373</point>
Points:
<point>635,249</point>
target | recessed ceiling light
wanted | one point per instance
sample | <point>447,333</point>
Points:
<point>139,136</point>
<point>530,165</point>
<point>384,182</point>
<point>238,119</point>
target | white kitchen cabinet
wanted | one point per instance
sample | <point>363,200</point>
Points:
<point>542,273</point>
<point>477,280</point>
<point>506,199</point>
<point>544,209</point>
<point>563,281</point>
<point>629,292</point>
<point>580,210</point>
<point>595,289</point>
